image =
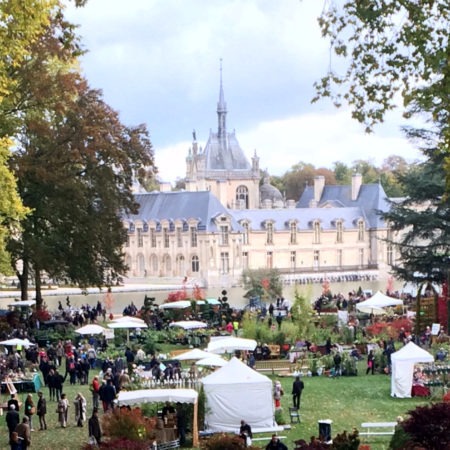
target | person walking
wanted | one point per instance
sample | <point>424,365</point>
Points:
<point>370,362</point>
<point>29,410</point>
<point>94,428</point>
<point>24,432</point>
<point>181,423</point>
<point>297,388</point>
<point>63,410</point>
<point>12,419</point>
<point>41,411</point>
<point>277,394</point>
<point>95,389</point>
<point>80,409</point>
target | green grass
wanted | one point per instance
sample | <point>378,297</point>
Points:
<point>347,401</point>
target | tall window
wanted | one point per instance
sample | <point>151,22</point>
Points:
<point>245,239</point>
<point>293,260</point>
<point>245,260</point>
<point>224,235</point>
<point>166,237</point>
<point>224,262</point>
<point>152,237</point>
<point>339,258</point>
<point>339,232</point>
<point>390,254</point>
<point>316,227</point>
<point>193,236</point>
<point>316,261</point>
<point>195,264</point>
<point>127,242</point>
<point>269,258</point>
<point>179,231</point>
<point>360,230</point>
<point>269,233</point>
<point>242,194</point>
<point>361,257</point>
<point>140,238</point>
<point>293,232</point>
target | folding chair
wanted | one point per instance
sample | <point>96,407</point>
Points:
<point>294,415</point>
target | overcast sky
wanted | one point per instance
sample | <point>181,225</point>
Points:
<point>157,62</point>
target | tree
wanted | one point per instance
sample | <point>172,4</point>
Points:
<point>421,223</point>
<point>75,163</point>
<point>76,173</point>
<point>392,48</point>
<point>22,24</point>
<point>400,49</point>
<point>342,173</point>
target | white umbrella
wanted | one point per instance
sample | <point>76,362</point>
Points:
<point>17,341</point>
<point>91,329</point>
<point>176,305</point>
<point>189,324</point>
<point>215,361</point>
<point>127,325</point>
<point>230,344</point>
<point>128,319</point>
<point>196,353</point>
<point>23,303</point>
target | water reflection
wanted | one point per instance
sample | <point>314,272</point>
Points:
<point>235,295</point>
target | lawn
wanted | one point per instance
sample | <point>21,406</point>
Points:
<point>347,401</point>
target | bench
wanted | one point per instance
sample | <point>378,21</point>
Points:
<point>378,428</point>
<point>274,365</point>
<point>169,445</point>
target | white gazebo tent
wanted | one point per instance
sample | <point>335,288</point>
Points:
<point>235,392</point>
<point>230,344</point>
<point>403,368</point>
<point>162,396</point>
<point>378,300</point>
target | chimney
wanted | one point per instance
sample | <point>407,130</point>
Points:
<point>319,184</point>
<point>165,186</point>
<point>290,204</point>
<point>356,185</point>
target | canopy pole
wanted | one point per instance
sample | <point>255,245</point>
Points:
<point>195,426</point>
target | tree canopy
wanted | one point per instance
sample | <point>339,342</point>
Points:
<point>397,53</point>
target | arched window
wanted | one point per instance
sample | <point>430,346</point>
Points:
<point>181,269</point>
<point>195,264</point>
<point>154,264</point>
<point>242,194</point>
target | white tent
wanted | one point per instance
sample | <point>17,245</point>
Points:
<point>189,324</point>
<point>230,344</point>
<point>163,395</point>
<point>236,392</point>
<point>17,342</point>
<point>403,368</point>
<point>213,361</point>
<point>91,329</point>
<point>23,303</point>
<point>377,301</point>
<point>193,354</point>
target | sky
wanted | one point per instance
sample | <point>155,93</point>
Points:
<point>158,62</point>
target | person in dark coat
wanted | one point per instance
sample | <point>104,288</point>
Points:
<point>94,426</point>
<point>109,395</point>
<point>12,420</point>
<point>42,411</point>
<point>297,388</point>
<point>245,432</point>
<point>181,423</point>
<point>275,444</point>
<point>13,401</point>
<point>24,432</point>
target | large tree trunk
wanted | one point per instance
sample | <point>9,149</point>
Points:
<point>23,279</point>
<point>37,282</point>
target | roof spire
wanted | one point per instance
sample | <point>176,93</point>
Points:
<point>222,113</point>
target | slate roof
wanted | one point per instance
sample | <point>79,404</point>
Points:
<point>371,198</point>
<point>304,216</point>
<point>202,206</point>
<point>230,158</point>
